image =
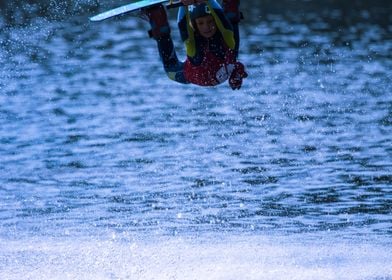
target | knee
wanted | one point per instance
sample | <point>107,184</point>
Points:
<point>176,76</point>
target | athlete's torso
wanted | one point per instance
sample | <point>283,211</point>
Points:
<point>213,66</point>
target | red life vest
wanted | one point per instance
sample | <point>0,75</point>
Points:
<point>212,70</point>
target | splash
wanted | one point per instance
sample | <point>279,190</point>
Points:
<point>246,257</point>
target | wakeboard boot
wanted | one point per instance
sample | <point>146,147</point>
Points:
<point>157,17</point>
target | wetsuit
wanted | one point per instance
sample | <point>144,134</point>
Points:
<point>209,61</point>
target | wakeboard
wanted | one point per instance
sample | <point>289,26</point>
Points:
<point>135,7</point>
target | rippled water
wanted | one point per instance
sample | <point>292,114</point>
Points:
<point>101,153</point>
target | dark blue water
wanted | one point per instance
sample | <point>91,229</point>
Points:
<point>111,171</point>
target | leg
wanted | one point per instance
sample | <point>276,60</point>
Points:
<point>231,9</point>
<point>160,31</point>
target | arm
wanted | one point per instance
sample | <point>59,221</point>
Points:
<point>186,31</point>
<point>182,23</point>
<point>225,27</point>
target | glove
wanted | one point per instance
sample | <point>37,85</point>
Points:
<point>236,77</point>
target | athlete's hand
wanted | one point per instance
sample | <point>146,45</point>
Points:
<point>191,2</point>
<point>236,77</point>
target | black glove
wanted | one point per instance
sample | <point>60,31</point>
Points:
<point>237,76</point>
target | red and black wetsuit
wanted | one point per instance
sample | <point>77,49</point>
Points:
<point>209,61</point>
<point>213,65</point>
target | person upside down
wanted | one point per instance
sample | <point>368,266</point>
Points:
<point>211,38</point>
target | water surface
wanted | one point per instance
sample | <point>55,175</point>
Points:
<point>100,152</point>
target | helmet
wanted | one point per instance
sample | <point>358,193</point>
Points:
<point>200,10</point>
